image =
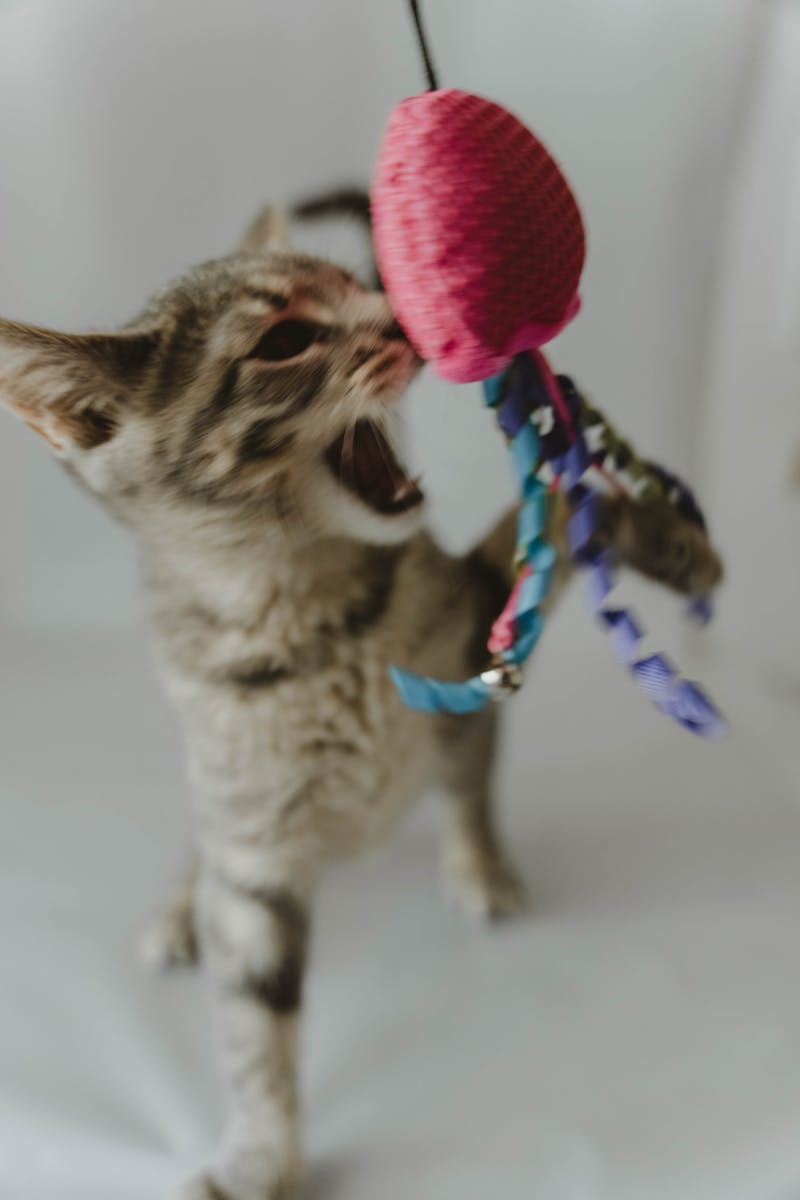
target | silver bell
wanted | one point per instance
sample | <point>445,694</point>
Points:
<point>502,679</point>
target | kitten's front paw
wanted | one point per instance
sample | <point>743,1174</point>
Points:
<point>206,1187</point>
<point>201,1188</point>
<point>484,887</point>
<point>248,1177</point>
<point>169,940</point>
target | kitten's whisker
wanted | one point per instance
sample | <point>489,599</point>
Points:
<point>349,433</point>
<point>386,459</point>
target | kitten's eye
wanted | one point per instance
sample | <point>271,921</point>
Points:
<point>286,339</point>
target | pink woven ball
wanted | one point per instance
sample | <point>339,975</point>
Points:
<point>478,237</point>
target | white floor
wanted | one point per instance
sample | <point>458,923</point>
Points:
<point>637,1037</point>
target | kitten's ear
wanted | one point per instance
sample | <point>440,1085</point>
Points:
<point>269,231</point>
<point>71,388</point>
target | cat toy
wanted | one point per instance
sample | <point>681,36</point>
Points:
<point>480,244</point>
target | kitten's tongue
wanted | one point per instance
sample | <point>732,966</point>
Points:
<point>363,461</point>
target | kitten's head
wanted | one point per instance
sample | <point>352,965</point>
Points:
<point>259,384</point>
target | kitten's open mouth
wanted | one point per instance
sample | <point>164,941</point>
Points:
<point>363,461</point>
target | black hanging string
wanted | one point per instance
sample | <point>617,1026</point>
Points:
<point>430,70</point>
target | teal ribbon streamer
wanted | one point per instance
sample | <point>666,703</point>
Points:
<point>425,694</point>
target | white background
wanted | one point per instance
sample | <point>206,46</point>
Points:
<point>638,1036</point>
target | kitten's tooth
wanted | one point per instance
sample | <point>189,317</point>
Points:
<point>405,489</point>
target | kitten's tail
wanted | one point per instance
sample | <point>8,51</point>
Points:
<point>341,202</point>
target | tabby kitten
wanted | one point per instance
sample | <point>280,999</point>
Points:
<point>238,427</point>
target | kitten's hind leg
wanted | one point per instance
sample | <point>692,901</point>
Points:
<point>478,874</point>
<point>170,939</point>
